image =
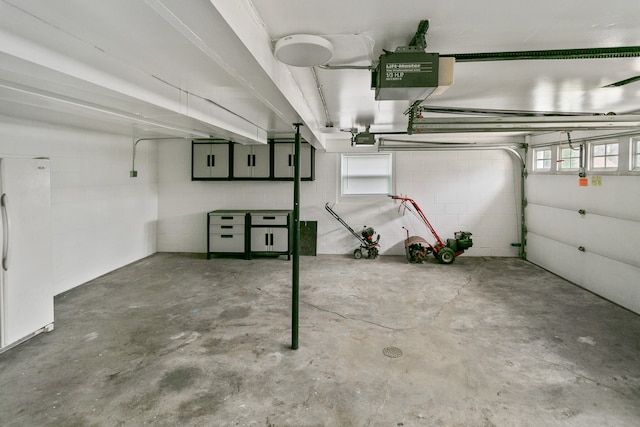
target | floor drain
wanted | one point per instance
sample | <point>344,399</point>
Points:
<point>392,352</point>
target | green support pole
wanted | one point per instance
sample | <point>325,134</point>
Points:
<point>296,240</point>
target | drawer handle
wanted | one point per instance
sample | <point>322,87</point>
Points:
<point>226,217</point>
<point>226,226</point>
<point>226,236</point>
<point>268,217</point>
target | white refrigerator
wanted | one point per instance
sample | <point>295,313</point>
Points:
<point>26,283</point>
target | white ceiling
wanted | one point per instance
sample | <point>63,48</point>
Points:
<point>150,68</point>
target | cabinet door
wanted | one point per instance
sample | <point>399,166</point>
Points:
<point>210,160</point>
<point>219,160</point>
<point>266,239</point>
<point>283,160</point>
<point>279,239</point>
<point>305,160</point>
<point>250,161</point>
<point>242,161</point>
<point>201,161</point>
<point>261,167</point>
<point>260,239</point>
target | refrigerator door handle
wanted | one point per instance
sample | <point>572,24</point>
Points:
<point>6,227</point>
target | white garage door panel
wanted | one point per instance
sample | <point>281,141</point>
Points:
<point>606,236</point>
<point>557,257</point>
<point>617,197</point>
<point>612,280</point>
<point>563,191</point>
<point>612,237</point>
<point>558,224</point>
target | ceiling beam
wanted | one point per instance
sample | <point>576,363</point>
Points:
<point>28,38</point>
<point>123,116</point>
<point>257,69</point>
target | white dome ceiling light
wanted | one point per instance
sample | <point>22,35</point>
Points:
<point>303,50</point>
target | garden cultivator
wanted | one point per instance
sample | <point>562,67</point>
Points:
<point>418,248</point>
<point>368,247</point>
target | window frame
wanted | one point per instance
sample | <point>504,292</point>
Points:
<point>561,160</point>
<point>535,159</point>
<point>389,176</point>
<point>634,155</point>
<point>605,144</point>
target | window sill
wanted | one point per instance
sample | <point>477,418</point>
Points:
<point>362,198</point>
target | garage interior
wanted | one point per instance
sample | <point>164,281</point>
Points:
<point>524,130</point>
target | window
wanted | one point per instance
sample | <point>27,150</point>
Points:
<point>542,159</point>
<point>568,159</point>
<point>635,155</point>
<point>366,174</point>
<point>604,155</point>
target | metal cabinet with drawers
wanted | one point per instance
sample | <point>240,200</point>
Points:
<point>226,232</point>
<point>249,232</point>
<point>270,232</point>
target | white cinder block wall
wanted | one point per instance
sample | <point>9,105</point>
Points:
<point>608,231</point>
<point>476,191</point>
<point>102,218</point>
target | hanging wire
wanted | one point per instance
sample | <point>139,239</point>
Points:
<point>560,160</point>
<point>569,141</point>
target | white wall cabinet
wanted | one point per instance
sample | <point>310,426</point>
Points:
<point>251,161</point>
<point>226,161</point>
<point>209,160</point>
<point>283,160</point>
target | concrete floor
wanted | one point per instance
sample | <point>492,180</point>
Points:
<point>175,339</point>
